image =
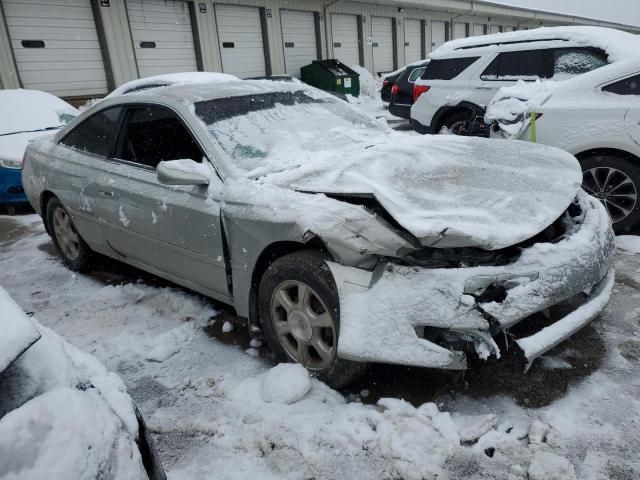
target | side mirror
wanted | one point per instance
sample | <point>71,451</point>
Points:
<point>182,172</point>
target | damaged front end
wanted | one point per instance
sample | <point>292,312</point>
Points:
<point>416,308</point>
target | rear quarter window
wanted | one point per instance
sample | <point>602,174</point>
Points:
<point>447,69</point>
<point>96,134</point>
<point>628,86</point>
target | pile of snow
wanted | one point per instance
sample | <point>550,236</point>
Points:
<point>370,85</point>
<point>63,415</point>
<point>286,383</point>
<point>18,331</point>
<point>511,105</point>
<point>616,43</point>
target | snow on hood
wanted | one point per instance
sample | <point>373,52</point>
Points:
<point>618,44</point>
<point>172,79</point>
<point>451,191</point>
<point>32,110</point>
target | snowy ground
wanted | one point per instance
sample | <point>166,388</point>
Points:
<point>218,411</point>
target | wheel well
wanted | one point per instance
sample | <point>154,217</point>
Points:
<point>612,152</point>
<point>267,257</point>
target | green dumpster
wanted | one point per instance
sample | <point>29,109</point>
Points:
<point>331,75</point>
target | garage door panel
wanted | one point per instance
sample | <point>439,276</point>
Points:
<point>71,61</point>
<point>344,30</point>
<point>382,34</point>
<point>71,10</point>
<point>165,26</point>
<point>412,40</point>
<point>240,27</point>
<point>299,40</point>
<point>438,34</point>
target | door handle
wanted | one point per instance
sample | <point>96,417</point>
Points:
<point>485,87</point>
<point>105,193</point>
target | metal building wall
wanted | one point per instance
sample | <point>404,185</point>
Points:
<point>113,27</point>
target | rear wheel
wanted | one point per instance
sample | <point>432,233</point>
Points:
<point>457,123</point>
<point>75,253</point>
<point>615,181</point>
<point>300,316</point>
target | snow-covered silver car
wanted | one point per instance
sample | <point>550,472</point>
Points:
<point>342,241</point>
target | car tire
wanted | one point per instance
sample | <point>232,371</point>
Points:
<point>451,121</point>
<point>74,251</point>
<point>615,181</point>
<point>305,330</point>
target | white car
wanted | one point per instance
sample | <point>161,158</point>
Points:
<point>596,117</point>
<point>465,74</point>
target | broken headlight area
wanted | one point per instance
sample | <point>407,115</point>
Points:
<point>430,257</point>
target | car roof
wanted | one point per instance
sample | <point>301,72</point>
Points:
<point>198,92</point>
<point>616,43</point>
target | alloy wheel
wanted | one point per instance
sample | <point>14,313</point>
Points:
<point>303,325</point>
<point>615,190</point>
<point>65,233</point>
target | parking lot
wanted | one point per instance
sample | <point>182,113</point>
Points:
<point>199,388</point>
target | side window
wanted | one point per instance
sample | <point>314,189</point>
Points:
<point>447,69</point>
<point>96,134</point>
<point>575,61</point>
<point>527,65</point>
<point>415,74</point>
<point>153,134</point>
<point>628,86</point>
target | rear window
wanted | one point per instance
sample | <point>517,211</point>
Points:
<point>447,69</point>
<point>522,65</point>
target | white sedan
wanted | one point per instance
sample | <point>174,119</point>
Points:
<point>596,117</point>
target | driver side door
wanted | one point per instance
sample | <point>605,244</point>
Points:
<point>173,231</point>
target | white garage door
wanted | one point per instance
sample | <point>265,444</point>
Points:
<point>478,29</point>
<point>56,46</point>
<point>494,29</point>
<point>299,38</point>
<point>459,30</point>
<point>240,37</point>
<point>438,34</point>
<point>344,30</point>
<point>162,36</point>
<point>412,41</point>
<point>382,35</point>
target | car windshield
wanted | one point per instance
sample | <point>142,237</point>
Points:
<point>268,132</point>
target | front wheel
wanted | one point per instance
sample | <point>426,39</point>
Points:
<point>300,316</point>
<point>615,181</point>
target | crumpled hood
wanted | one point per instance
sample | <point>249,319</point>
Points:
<point>451,191</point>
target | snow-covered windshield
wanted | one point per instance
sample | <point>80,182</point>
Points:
<point>268,132</point>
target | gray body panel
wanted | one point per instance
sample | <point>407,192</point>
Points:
<point>212,238</point>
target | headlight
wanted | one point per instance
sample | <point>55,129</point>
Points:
<point>15,164</point>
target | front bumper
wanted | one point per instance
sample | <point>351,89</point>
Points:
<point>11,190</point>
<point>381,311</point>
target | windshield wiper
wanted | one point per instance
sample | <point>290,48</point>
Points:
<point>32,131</point>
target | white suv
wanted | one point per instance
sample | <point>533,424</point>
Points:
<point>596,117</point>
<point>465,74</point>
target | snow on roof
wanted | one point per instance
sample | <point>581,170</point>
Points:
<point>172,79</point>
<point>618,44</point>
<point>31,110</point>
